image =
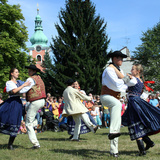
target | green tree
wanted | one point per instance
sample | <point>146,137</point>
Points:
<point>13,38</point>
<point>80,49</point>
<point>148,54</point>
<point>48,75</point>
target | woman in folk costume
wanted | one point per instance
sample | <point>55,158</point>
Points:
<point>141,117</point>
<point>11,109</point>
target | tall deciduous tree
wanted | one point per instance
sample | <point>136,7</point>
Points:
<point>80,49</point>
<point>148,54</point>
<point>13,36</point>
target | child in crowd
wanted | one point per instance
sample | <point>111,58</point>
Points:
<point>23,128</point>
<point>94,113</point>
<point>106,115</point>
<point>98,116</point>
<point>55,107</point>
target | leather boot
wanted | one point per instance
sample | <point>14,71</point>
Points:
<point>148,142</point>
<point>141,148</point>
<point>10,143</point>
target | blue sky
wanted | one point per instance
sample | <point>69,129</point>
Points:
<point>126,19</point>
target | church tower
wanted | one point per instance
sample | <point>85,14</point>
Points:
<point>39,43</point>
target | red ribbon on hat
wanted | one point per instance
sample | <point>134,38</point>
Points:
<point>148,88</point>
<point>4,90</point>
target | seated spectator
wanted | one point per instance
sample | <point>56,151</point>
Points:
<point>63,123</point>
<point>158,98</point>
<point>149,97</point>
<point>154,101</point>
<point>23,128</point>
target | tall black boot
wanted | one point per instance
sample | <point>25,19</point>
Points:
<point>141,148</point>
<point>10,143</point>
<point>148,142</point>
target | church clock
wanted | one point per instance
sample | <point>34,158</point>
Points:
<point>38,48</point>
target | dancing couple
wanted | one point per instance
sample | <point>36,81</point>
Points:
<point>141,118</point>
<point>11,109</point>
<point>75,108</point>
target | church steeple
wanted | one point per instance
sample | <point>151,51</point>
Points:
<point>38,37</point>
<point>39,43</point>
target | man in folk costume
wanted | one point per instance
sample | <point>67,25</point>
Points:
<point>110,95</point>
<point>36,96</point>
<point>74,107</point>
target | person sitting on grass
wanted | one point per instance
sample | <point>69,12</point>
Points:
<point>23,129</point>
<point>63,123</point>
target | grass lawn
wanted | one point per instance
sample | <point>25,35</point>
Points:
<point>56,146</point>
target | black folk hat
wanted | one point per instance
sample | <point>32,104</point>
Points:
<point>70,82</point>
<point>33,67</point>
<point>117,54</point>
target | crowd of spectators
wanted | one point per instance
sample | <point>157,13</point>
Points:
<point>54,107</point>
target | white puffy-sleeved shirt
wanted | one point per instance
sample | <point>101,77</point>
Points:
<point>111,80</point>
<point>27,88</point>
<point>132,82</point>
<point>10,85</point>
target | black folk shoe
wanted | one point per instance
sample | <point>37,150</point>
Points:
<point>149,146</point>
<point>149,142</point>
<point>113,135</point>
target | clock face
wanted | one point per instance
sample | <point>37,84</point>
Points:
<point>38,48</point>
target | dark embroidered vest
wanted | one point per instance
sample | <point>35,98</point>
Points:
<point>37,91</point>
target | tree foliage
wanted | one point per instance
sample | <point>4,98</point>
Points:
<point>13,38</point>
<point>80,49</point>
<point>148,54</point>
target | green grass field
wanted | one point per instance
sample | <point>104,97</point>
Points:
<point>56,146</point>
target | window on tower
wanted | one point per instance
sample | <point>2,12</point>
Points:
<point>39,57</point>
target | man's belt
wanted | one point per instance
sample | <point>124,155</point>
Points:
<point>106,90</point>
